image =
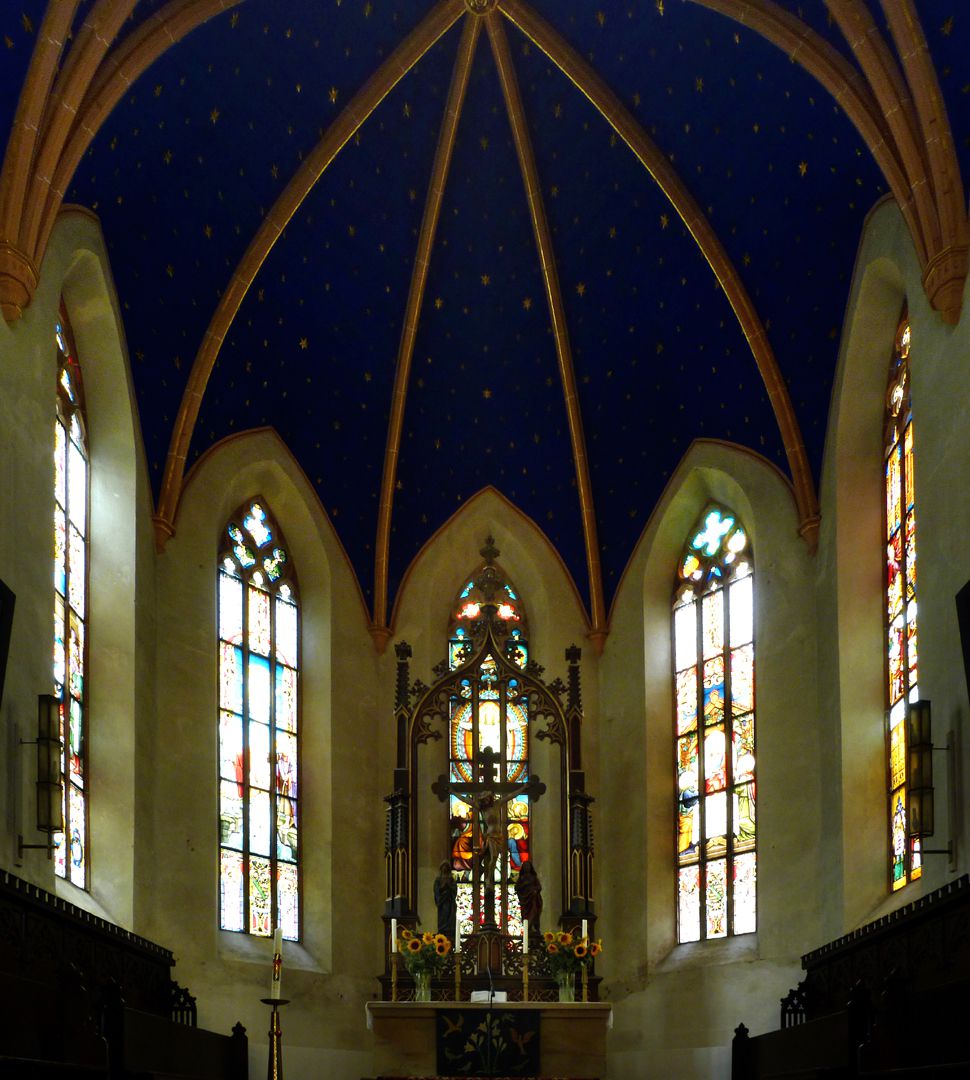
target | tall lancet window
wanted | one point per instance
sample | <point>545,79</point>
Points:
<point>713,641</point>
<point>70,608</point>
<point>477,721</point>
<point>901,670</point>
<point>259,641</point>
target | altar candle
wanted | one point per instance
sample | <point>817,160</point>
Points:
<point>584,929</point>
<point>393,935</point>
<point>274,986</point>
<point>458,931</point>
<point>525,939</point>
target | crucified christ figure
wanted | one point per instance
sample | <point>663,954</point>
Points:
<point>488,805</point>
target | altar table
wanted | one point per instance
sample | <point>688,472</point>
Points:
<point>572,1035</point>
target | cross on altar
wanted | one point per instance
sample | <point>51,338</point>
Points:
<point>488,795</point>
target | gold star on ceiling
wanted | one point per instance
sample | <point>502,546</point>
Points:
<point>581,288</point>
<point>304,344</point>
<point>802,168</point>
<point>214,115</point>
<point>664,221</point>
<point>527,303</point>
<point>486,280</point>
<point>486,393</point>
<point>439,303</point>
<point>333,95</point>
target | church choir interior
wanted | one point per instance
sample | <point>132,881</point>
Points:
<point>484,562</point>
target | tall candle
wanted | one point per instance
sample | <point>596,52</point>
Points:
<point>525,939</point>
<point>457,932</point>
<point>274,986</point>
<point>584,929</point>
<point>393,935</point>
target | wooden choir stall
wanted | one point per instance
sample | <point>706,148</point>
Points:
<point>479,988</point>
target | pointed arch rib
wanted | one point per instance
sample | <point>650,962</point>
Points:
<point>844,82</point>
<point>904,24</point>
<point>437,22</point>
<point>94,39</point>
<point>557,313</point>
<point>30,109</point>
<point>895,102</point>
<point>409,330</point>
<point>618,116</point>
<point>122,67</point>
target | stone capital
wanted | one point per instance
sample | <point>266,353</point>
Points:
<point>18,281</point>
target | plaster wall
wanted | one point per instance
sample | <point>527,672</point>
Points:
<point>677,1005</point>
<point>120,633</point>
<point>850,573</point>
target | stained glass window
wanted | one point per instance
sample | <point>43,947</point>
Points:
<point>714,748</point>
<point>901,652</point>
<point>477,722</point>
<point>70,608</point>
<point>259,640</point>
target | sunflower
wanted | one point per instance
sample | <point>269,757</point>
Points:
<point>442,948</point>
<point>548,936</point>
<point>580,951</point>
<point>440,939</point>
<point>564,937</point>
<point>427,937</point>
<point>552,948</point>
<point>414,945</point>
<point>596,948</point>
<point>406,934</point>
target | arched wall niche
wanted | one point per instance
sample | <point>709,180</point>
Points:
<point>340,825</point>
<point>654,980</point>
<point>76,270</point>
<point>556,621</point>
<point>851,570</point>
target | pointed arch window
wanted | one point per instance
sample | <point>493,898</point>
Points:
<point>901,651</point>
<point>476,721</point>
<point>713,646</point>
<point>71,556</point>
<point>259,642</point>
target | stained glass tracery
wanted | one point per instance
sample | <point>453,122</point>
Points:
<point>713,645</point>
<point>477,723</point>
<point>900,602</point>
<point>70,608</point>
<point>259,628</point>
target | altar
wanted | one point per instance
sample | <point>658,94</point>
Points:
<point>472,860</point>
<point>407,1042</point>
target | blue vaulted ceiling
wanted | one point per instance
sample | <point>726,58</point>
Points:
<point>186,167</point>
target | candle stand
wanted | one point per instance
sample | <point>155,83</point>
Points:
<point>525,976</point>
<point>394,976</point>
<point>274,1061</point>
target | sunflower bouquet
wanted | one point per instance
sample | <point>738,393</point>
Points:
<point>424,953</point>
<point>567,954</point>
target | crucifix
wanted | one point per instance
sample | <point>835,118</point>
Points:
<point>488,796</point>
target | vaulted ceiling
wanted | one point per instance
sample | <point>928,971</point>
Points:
<point>541,245</point>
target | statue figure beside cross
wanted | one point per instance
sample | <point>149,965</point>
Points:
<point>487,796</point>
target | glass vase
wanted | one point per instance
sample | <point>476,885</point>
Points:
<point>422,986</point>
<point>567,985</point>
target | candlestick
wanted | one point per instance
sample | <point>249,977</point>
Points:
<point>393,935</point>
<point>274,1062</point>
<point>277,977</point>
<point>393,976</point>
<point>585,984</point>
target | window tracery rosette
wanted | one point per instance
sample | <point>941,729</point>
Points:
<point>905,863</point>
<point>71,551</point>
<point>476,721</point>
<point>713,649</point>
<point>259,643</point>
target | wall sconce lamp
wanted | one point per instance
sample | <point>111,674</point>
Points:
<point>50,790</point>
<point>921,809</point>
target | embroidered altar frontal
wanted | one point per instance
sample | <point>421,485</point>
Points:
<point>484,1042</point>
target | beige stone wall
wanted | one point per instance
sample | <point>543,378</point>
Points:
<point>819,641</point>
